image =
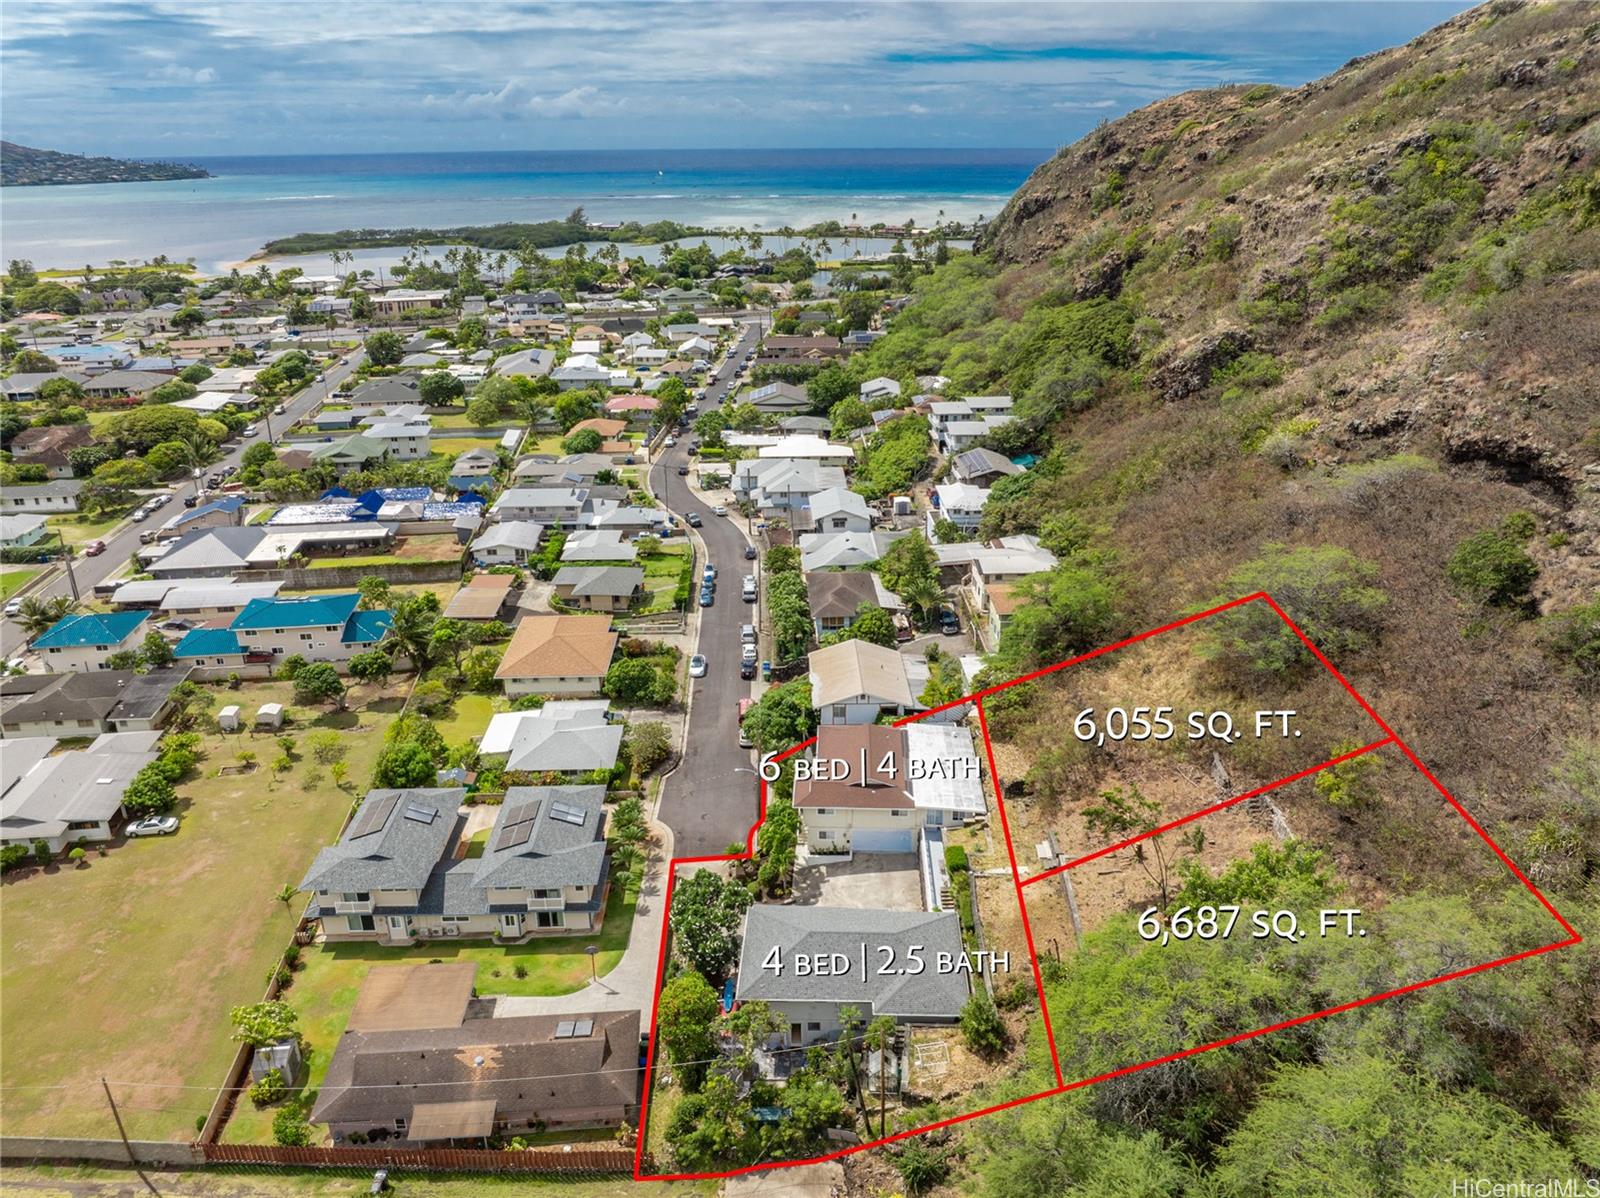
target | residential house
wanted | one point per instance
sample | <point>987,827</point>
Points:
<point>1001,560</point>
<point>84,643</point>
<point>354,452</point>
<point>635,409</point>
<point>115,383</point>
<point>856,682</point>
<point>879,389</point>
<point>839,509</point>
<point>565,736</point>
<point>647,355</point>
<point>75,704</point>
<point>779,487</point>
<point>474,463</point>
<point>679,333</point>
<point>1000,603</point>
<point>806,448</point>
<point>558,655</point>
<point>598,545</point>
<point>230,379</point>
<point>781,397</point>
<point>335,305</point>
<point>57,495</point>
<point>835,598</point>
<point>843,550</point>
<point>227,512</point>
<point>215,552</point>
<point>960,503</point>
<point>693,348</point>
<point>797,348</point>
<point>18,532</point>
<point>206,601</point>
<point>609,430</point>
<point>816,425</point>
<point>553,507</point>
<point>213,649</point>
<point>812,1006</point>
<point>537,303</point>
<point>316,627</point>
<point>485,597</point>
<point>535,363</point>
<point>388,391</point>
<point>507,543</point>
<point>600,588</point>
<point>49,447</point>
<point>637,341</point>
<point>404,299</point>
<point>24,387</point>
<point>895,782</point>
<point>573,376</point>
<point>395,877</point>
<point>68,798</point>
<point>983,467</point>
<point>483,1077</point>
<point>403,440</point>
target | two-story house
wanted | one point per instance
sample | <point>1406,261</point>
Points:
<point>959,503</point>
<point>317,627</point>
<point>403,440</point>
<point>839,509</point>
<point>552,507</point>
<point>85,643</point>
<point>395,878</point>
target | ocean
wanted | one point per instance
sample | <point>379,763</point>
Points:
<point>250,200</point>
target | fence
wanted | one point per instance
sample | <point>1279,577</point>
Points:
<point>18,1149</point>
<point>349,576</point>
<point>571,1159</point>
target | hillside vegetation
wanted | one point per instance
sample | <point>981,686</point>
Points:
<point>1342,343</point>
<point>26,166</point>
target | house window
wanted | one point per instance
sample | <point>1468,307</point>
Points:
<point>824,810</point>
<point>899,814</point>
<point>824,835</point>
<point>813,1027</point>
<point>355,896</point>
<point>840,711</point>
<point>453,918</point>
<point>305,636</point>
<point>549,919</point>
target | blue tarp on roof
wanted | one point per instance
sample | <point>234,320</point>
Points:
<point>336,493</point>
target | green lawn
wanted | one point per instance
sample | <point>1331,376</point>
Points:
<point>330,977</point>
<point>661,570</point>
<point>127,968</point>
<point>13,577</point>
<point>76,528</point>
<point>469,716</point>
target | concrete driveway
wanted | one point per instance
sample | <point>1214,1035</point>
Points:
<point>888,880</point>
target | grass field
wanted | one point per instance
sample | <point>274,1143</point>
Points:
<point>469,716</point>
<point>127,968</point>
<point>325,987</point>
<point>12,578</point>
<point>77,528</point>
<point>661,570</point>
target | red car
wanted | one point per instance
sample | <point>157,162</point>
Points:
<point>94,549</point>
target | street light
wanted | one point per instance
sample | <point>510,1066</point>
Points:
<point>592,950</point>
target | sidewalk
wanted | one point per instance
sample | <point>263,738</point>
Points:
<point>631,985</point>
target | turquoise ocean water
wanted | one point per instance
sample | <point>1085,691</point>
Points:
<point>223,219</point>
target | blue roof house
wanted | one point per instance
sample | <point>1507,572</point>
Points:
<point>85,643</point>
<point>317,627</point>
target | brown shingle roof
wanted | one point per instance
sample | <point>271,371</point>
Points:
<point>559,647</point>
<point>481,599</point>
<point>839,594</point>
<point>861,747</point>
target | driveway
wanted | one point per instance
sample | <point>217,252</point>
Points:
<point>711,800</point>
<point>888,880</point>
<point>631,985</point>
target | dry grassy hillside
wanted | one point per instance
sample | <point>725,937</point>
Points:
<point>1358,318</point>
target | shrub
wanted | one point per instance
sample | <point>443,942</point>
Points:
<point>12,857</point>
<point>1574,641</point>
<point>981,1025</point>
<point>290,1129</point>
<point>955,859</point>
<point>649,745</point>
<point>150,792</point>
<point>1326,590</point>
<point>76,855</point>
<point>269,1089</point>
<point>1492,566</point>
<point>921,1165</point>
<point>1348,785</point>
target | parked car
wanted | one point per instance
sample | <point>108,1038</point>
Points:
<point>671,441</point>
<point>694,519</point>
<point>153,825</point>
<point>683,472</point>
<point>747,634</point>
<point>148,536</point>
<point>747,671</point>
<point>175,625</point>
<point>749,588</point>
<point>162,499</point>
<point>250,430</point>
<point>707,597</point>
<point>750,553</point>
<point>14,607</point>
<point>280,410</point>
<point>94,549</point>
<point>719,510</point>
<point>697,666</point>
<point>748,653</point>
<point>710,570</point>
<point>949,622</point>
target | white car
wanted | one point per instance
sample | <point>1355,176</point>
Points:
<point>14,608</point>
<point>719,510</point>
<point>671,441</point>
<point>249,430</point>
<point>697,666</point>
<point>154,825</point>
<point>748,653</point>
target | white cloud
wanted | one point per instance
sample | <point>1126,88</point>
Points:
<point>515,100</point>
<point>173,73</point>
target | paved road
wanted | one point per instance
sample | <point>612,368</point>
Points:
<point>125,540</point>
<point>706,802</point>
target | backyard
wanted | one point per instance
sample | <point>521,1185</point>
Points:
<point>661,572</point>
<point>330,976</point>
<point>128,966</point>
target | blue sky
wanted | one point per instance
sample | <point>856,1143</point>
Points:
<point>269,76</point>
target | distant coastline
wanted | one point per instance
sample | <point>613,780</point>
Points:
<point>28,166</point>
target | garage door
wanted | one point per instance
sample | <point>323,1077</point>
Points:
<point>881,840</point>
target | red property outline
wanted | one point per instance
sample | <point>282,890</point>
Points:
<point>1390,736</point>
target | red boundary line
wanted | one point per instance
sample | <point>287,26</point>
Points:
<point>977,697</point>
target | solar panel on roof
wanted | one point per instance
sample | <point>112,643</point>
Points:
<point>568,814</point>
<point>564,1029</point>
<point>423,815</point>
<point>514,834</point>
<point>522,812</point>
<point>374,816</point>
<point>583,1027</point>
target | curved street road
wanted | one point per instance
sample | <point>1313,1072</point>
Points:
<point>707,802</point>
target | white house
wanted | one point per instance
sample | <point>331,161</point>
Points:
<point>57,495</point>
<point>508,543</point>
<point>960,503</point>
<point>878,389</point>
<point>85,643</point>
<point>856,682</point>
<point>553,507</point>
<point>839,509</point>
<point>403,440</point>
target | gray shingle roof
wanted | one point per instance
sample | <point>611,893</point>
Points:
<point>600,580</point>
<point>384,848</point>
<point>820,930</point>
<point>531,847</point>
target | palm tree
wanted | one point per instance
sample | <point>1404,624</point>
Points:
<point>38,615</point>
<point>923,595</point>
<point>285,895</point>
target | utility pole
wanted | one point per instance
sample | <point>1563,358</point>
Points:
<point>72,579</point>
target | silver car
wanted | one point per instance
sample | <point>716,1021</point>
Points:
<point>154,825</point>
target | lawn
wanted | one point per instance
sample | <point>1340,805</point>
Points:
<point>330,977</point>
<point>77,528</point>
<point>128,967</point>
<point>469,717</point>
<point>661,570</point>
<point>13,577</point>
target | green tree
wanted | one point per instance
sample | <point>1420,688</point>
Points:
<point>584,440</point>
<point>482,411</point>
<point>1328,591</point>
<point>384,348</point>
<point>908,563</point>
<point>686,1018</point>
<point>639,682</point>
<point>39,614</point>
<point>440,389</point>
<point>848,415</point>
<point>403,765</point>
<point>829,386</point>
<point>154,650</point>
<point>319,682</point>
<point>171,392</point>
<point>707,911</point>
<point>1492,567</point>
<point>265,1023</point>
<point>449,638</point>
<point>649,745</point>
<point>981,1026</point>
<point>782,717</point>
